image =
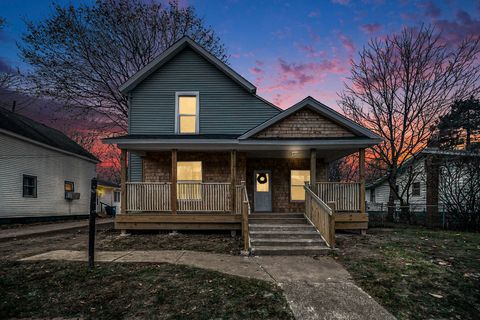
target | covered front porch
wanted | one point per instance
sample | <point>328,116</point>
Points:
<point>218,189</point>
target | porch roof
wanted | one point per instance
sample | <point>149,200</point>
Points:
<point>336,147</point>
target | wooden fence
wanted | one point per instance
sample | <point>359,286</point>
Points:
<point>148,196</point>
<point>346,195</point>
<point>321,215</point>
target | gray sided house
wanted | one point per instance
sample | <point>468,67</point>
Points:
<point>203,151</point>
<point>43,173</point>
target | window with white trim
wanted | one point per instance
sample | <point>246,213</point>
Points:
<point>416,189</point>
<point>186,112</point>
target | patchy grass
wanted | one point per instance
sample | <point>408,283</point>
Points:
<point>126,291</point>
<point>417,273</point>
<point>195,241</point>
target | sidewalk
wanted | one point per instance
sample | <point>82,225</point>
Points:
<point>315,288</point>
<point>27,231</point>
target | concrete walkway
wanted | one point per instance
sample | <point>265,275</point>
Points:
<point>26,231</point>
<point>315,288</point>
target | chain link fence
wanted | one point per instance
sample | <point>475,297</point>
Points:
<point>409,214</point>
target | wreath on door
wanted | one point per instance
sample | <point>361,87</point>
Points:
<point>262,178</point>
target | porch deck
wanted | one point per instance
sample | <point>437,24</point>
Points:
<point>213,206</point>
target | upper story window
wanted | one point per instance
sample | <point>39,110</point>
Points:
<point>186,121</point>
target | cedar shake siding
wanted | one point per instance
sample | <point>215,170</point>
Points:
<point>305,123</point>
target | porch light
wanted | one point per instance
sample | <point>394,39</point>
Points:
<point>294,154</point>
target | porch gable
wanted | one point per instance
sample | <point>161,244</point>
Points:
<point>305,123</point>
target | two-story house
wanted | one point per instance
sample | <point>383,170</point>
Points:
<point>206,152</point>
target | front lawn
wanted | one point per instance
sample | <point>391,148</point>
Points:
<point>140,291</point>
<point>417,273</point>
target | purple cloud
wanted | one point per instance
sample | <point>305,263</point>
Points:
<point>371,28</point>
<point>453,32</point>
<point>4,67</point>
<point>431,10</point>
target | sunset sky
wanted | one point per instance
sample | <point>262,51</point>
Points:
<point>288,49</point>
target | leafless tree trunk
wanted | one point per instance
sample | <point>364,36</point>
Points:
<point>401,84</point>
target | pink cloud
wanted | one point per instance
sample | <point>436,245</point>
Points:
<point>371,28</point>
<point>311,51</point>
<point>347,43</point>
<point>256,70</point>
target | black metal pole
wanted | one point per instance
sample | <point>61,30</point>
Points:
<point>91,224</point>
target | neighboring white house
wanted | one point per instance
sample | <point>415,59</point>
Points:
<point>421,192</point>
<point>40,169</point>
<point>108,194</point>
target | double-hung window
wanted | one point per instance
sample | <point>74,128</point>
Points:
<point>189,180</point>
<point>186,121</point>
<point>297,182</point>
<point>416,189</point>
<point>29,186</point>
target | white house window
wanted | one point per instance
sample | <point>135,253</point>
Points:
<point>29,186</point>
<point>297,182</point>
<point>416,189</point>
<point>189,178</point>
<point>372,195</point>
<point>69,186</point>
<point>187,112</point>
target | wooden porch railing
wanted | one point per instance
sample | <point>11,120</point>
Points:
<point>238,199</point>
<point>148,196</point>
<point>245,216</point>
<point>346,195</point>
<point>209,197</point>
<point>322,215</point>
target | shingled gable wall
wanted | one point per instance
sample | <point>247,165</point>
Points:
<point>305,123</point>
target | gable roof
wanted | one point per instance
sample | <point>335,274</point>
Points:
<point>30,129</point>
<point>322,109</point>
<point>171,52</point>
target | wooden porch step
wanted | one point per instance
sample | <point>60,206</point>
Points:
<point>279,234</point>
<point>290,250</point>
<point>280,215</point>
<point>275,220</point>
<point>280,227</point>
<point>289,242</point>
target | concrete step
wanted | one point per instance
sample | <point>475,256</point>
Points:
<point>290,251</point>
<point>281,242</point>
<point>281,227</point>
<point>276,215</point>
<point>278,234</point>
<point>252,220</point>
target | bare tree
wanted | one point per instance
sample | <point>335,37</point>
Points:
<point>401,84</point>
<point>81,55</point>
<point>459,191</point>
